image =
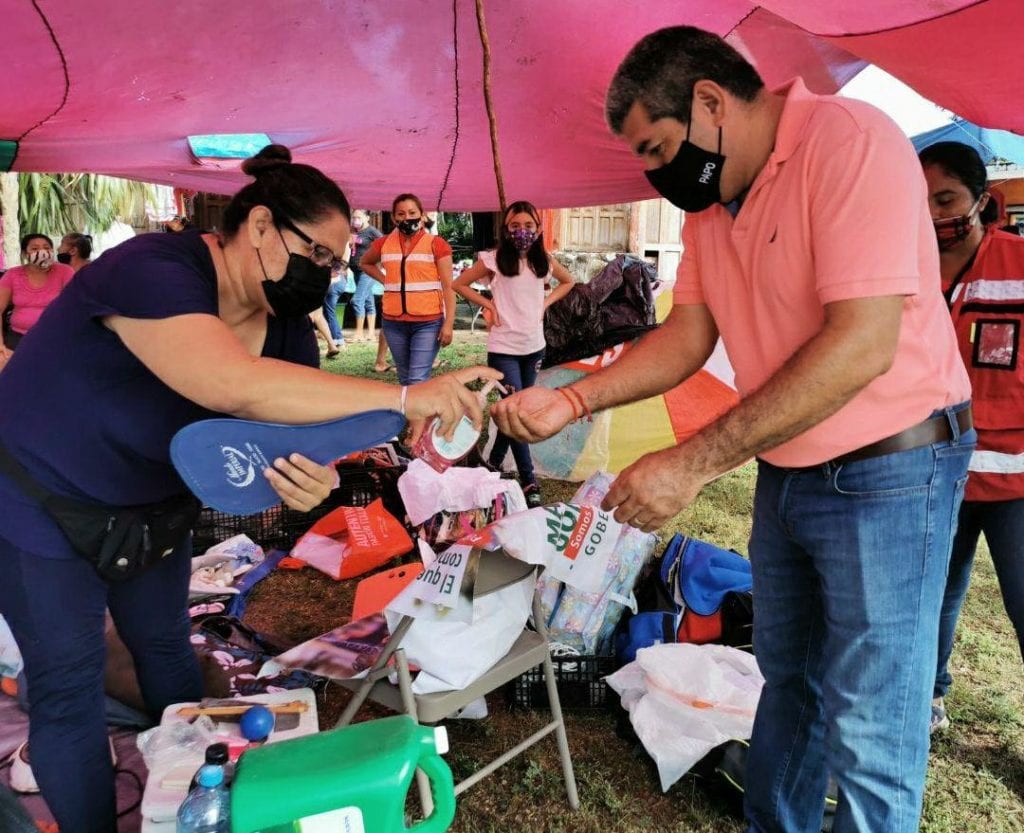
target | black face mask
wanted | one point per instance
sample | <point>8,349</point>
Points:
<point>408,227</point>
<point>302,288</point>
<point>64,257</point>
<point>692,180</point>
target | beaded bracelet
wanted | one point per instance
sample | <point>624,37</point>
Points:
<point>401,400</point>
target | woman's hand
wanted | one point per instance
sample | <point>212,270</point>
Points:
<point>444,337</point>
<point>301,483</point>
<point>447,397</point>
<point>494,320</point>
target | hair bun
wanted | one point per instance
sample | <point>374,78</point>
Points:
<point>271,157</point>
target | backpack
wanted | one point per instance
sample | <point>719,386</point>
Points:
<point>697,592</point>
<point>731,765</point>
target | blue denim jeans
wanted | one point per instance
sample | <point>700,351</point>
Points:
<point>330,309</point>
<point>55,608</point>
<point>362,298</point>
<point>413,346</point>
<point>849,565</point>
<point>520,372</point>
<point>1002,521</point>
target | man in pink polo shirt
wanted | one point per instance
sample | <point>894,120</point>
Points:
<point>809,249</point>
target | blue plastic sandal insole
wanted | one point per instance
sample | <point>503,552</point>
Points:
<point>222,460</point>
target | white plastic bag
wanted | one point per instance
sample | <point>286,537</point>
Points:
<point>241,548</point>
<point>425,492</point>
<point>574,543</point>
<point>684,700</point>
<point>451,655</point>
<point>585,621</point>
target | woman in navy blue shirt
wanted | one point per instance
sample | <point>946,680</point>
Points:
<point>160,332</point>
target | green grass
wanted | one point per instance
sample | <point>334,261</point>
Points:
<point>976,774</point>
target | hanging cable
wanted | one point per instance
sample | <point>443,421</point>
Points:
<point>67,83</point>
<point>455,140</point>
<point>489,102</point>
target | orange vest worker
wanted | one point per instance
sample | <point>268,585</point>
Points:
<point>412,286</point>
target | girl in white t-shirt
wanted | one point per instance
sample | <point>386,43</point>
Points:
<point>518,273</point>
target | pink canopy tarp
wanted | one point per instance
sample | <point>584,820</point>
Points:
<point>387,97</point>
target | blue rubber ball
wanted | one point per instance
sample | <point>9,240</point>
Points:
<point>256,723</point>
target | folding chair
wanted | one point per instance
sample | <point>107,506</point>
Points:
<point>496,571</point>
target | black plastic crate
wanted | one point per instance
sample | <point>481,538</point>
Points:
<point>281,526</point>
<point>265,528</point>
<point>580,680</point>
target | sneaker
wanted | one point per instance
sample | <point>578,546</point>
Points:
<point>532,494</point>
<point>939,720</point>
<point>22,778</point>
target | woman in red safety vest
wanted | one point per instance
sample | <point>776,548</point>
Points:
<point>983,281</point>
<point>419,302</point>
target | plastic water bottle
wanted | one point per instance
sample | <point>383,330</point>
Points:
<point>208,807</point>
<point>216,754</point>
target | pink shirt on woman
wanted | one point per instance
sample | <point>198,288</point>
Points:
<point>30,301</point>
<point>839,211</point>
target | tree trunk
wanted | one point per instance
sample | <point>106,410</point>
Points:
<point>12,228</point>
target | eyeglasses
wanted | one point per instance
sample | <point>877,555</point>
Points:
<point>320,255</point>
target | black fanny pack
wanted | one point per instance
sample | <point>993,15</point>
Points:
<point>118,542</point>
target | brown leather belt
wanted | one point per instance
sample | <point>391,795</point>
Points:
<point>933,430</point>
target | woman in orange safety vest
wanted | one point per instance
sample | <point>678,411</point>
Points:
<point>983,281</point>
<point>419,302</point>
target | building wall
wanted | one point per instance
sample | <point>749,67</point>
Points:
<point>587,238</point>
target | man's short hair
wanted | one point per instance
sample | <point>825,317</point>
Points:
<point>660,71</point>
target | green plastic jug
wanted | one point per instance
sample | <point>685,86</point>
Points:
<point>350,780</point>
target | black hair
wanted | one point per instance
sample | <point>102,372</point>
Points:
<point>507,257</point>
<point>80,242</point>
<point>963,163</point>
<point>660,70</point>
<point>407,198</point>
<point>297,192</point>
<point>28,238</point>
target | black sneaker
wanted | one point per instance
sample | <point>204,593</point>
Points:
<point>533,498</point>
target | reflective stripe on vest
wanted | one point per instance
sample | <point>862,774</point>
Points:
<point>412,286</point>
<point>987,290</point>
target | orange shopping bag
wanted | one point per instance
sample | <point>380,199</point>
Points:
<point>353,540</point>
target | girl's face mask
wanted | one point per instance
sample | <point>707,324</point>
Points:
<point>523,238</point>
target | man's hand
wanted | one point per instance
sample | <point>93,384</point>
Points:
<point>533,414</point>
<point>444,337</point>
<point>653,490</point>
<point>301,483</point>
